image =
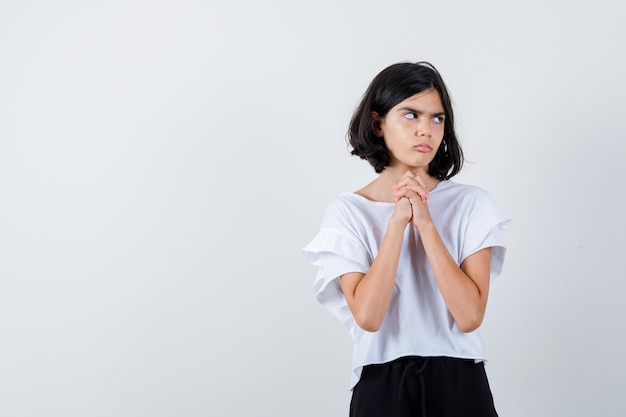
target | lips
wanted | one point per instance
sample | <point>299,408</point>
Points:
<point>423,147</point>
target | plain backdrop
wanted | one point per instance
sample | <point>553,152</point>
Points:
<point>162,164</point>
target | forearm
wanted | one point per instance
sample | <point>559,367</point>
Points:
<point>369,295</point>
<point>464,295</point>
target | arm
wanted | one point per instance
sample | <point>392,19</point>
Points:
<point>464,288</point>
<point>368,295</point>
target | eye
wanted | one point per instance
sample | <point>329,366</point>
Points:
<point>410,115</point>
<point>438,119</point>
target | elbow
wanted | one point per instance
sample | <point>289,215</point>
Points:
<point>368,323</point>
<point>469,324</point>
<point>370,327</point>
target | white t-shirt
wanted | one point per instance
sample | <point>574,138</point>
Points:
<point>418,321</point>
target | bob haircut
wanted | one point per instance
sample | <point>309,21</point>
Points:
<point>391,86</point>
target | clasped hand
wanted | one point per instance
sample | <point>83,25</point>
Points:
<point>411,194</point>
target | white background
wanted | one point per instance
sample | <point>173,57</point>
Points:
<point>162,163</point>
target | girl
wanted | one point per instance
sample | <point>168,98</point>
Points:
<point>406,261</point>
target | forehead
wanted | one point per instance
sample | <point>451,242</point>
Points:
<point>427,100</point>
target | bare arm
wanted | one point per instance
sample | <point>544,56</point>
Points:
<point>464,288</point>
<point>368,295</point>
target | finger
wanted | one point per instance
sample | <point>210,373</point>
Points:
<point>399,193</point>
<point>405,183</point>
<point>413,197</point>
<point>406,192</point>
<point>415,187</point>
<point>421,188</point>
<point>408,174</point>
<point>423,184</point>
<point>402,192</point>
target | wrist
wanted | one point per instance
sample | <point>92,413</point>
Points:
<point>397,223</point>
<point>426,227</point>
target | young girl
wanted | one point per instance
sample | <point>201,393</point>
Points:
<point>406,261</point>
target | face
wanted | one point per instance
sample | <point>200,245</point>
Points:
<point>413,130</point>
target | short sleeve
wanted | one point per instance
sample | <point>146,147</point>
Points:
<point>336,253</point>
<point>485,228</point>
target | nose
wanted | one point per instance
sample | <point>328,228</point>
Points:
<point>423,128</point>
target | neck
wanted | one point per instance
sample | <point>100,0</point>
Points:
<point>381,189</point>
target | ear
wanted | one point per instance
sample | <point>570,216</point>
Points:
<point>376,124</point>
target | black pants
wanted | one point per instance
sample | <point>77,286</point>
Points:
<point>423,387</point>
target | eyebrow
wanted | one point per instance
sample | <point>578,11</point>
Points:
<point>412,110</point>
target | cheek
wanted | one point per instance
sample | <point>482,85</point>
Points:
<point>440,129</point>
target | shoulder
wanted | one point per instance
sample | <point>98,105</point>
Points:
<point>349,203</point>
<point>473,204</point>
<point>345,206</point>
<point>464,203</point>
<point>466,193</point>
<point>356,213</point>
<point>344,201</point>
